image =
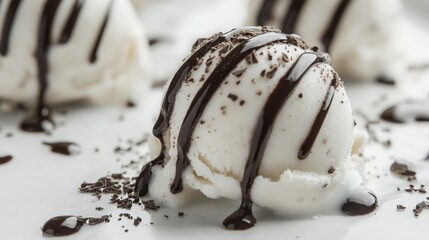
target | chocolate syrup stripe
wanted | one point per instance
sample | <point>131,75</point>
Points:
<point>306,147</point>
<point>7,25</point>
<point>167,108</point>
<point>266,12</point>
<point>243,217</point>
<point>93,56</point>
<point>71,22</point>
<point>329,34</point>
<point>36,123</point>
<point>291,19</point>
<point>210,86</point>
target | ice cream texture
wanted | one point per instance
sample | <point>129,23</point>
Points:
<point>57,51</point>
<point>257,115</point>
<point>359,35</point>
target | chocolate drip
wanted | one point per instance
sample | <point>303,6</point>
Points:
<point>306,147</point>
<point>68,225</point>
<point>329,34</point>
<point>205,93</point>
<point>71,22</point>
<point>38,122</point>
<point>93,56</point>
<point>243,218</point>
<point>65,148</point>
<point>7,26</point>
<point>167,108</point>
<point>419,114</point>
<point>291,19</point>
<point>266,12</point>
<point>5,159</point>
<point>361,202</point>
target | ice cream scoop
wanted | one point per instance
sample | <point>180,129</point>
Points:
<point>359,35</point>
<point>256,114</point>
<point>57,51</point>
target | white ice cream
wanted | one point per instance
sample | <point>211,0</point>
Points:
<point>364,44</point>
<point>221,141</point>
<point>121,66</point>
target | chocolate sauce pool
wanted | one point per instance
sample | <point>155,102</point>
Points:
<point>360,202</point>
<point>41,120</point>
<point>64,148</point>
<point>68,225</point>
<point>5,159</point>
<point>407,112</point>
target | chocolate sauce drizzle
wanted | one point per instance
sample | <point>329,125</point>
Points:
<point>329,34</point>
<point>7,26</point>
<point>306,147</point>
<point>293,13</point>
<point>243,217</point>
<point>5,159</point>
<point>68,225</point>
<point>420,114</point>
<point>292,16</point>
<point>93,56</point>
<point>266,11</point>
<point>41,120</point>
<point>71,22</point>
<point>65,148</point>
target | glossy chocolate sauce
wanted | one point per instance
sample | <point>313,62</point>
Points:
<point>68,225</point>
<point>93,56</point>
<point>7,26</point>
<point>330,31</point>
<point>291,19</point>
<point>266,12</point>
<point>360,202</point>
<point>41,120</point>
<point>408,112</point>
<point>65,148</point>
<point>71,22</point>
<point>243,217</point>
<point>5,159</point>
<point>292,16</point>
<point>306,147</point>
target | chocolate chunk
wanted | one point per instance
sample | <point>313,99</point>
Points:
<point>400,207</point>
<point>420,207</point>
<point>386,80</point>
<point>233,97</point>
<point>402,170</point>
<point>239,72</point>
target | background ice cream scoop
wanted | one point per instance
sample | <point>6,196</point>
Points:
<point>255,114</point>
<point>55,51</point>
<point>359,35</point>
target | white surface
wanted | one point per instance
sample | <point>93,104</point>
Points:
<point>37,184</point>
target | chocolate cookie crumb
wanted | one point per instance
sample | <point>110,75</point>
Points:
<point>420,207</point>
<point>400,207</point>
<point>402,169</point>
